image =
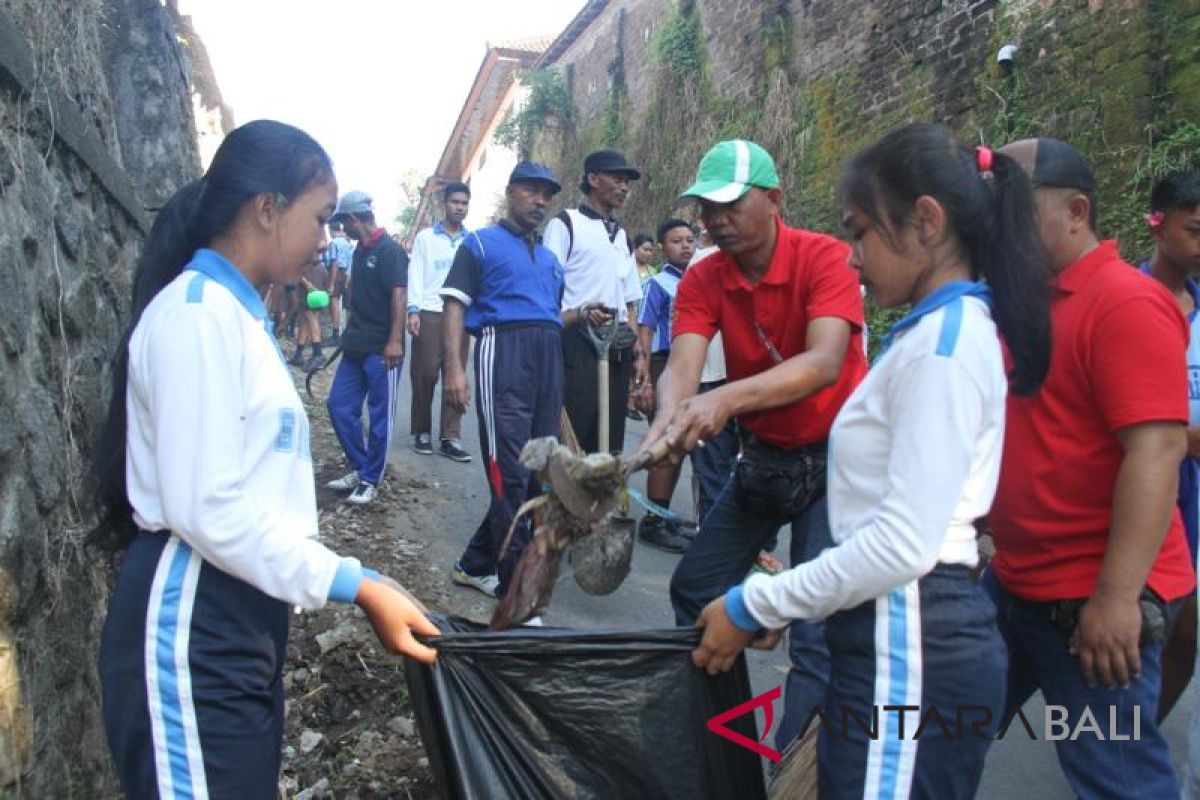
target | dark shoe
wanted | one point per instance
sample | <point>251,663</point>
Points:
<point>655,532</point>
<point>423,444</point>
<point>297,360</point>
<point>687,530</point>
<point>315,363</point>
<point>453,450</point>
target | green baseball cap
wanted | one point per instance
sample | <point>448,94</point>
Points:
<point>730,168</point>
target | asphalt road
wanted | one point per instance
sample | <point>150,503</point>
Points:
<point>1017,768</point>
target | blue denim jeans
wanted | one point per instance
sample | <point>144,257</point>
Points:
<point>1095,767</point>
<point>723,552</point>
<point>713,464</point>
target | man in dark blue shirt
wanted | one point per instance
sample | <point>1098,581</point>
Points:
<point>505,288</point>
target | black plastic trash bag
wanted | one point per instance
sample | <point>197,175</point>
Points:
<point>548,713</point>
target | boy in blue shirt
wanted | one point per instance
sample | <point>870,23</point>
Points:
<point>654,337</point>
<point>505,288</point>
<point>1174,221</point>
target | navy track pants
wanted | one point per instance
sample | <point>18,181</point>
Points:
<point>928,662</point>
<point>191,663</point>
<point>519,389</point>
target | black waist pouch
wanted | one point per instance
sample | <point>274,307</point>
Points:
<point>775,483</point>
<point>623,343</point>
<point>1158,616</point>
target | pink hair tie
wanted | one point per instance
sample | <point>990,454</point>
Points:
<point>1155,220</point>
<point>983,158</point>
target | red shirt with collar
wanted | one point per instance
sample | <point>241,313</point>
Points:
<point>1118,341</point>
<point>808,278</point>
<point>374,238</point>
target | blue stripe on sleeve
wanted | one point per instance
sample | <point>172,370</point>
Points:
<point>195,290</point>
<point>951,325</point>
<point>346,580</point>
<point>739,614</point>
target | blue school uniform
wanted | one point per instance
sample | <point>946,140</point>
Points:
<point>1189,470</point>
<point>656,307</point>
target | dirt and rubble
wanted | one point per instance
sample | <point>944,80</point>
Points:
<point>349,730</point>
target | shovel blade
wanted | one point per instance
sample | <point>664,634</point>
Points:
<point>603,558</point>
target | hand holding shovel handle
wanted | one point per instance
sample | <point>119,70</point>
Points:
<point>648,457</point>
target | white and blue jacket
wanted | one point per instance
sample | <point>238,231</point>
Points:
<point>914,459</point>
<point>218,442</point>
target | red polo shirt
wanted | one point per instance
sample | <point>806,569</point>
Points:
<point>1119,339</point>
<point>808,278</point>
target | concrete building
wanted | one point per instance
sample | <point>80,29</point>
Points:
<point>472,154</point>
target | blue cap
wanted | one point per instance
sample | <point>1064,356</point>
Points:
<point>527,171</point>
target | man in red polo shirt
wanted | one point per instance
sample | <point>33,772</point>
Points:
<point>1090,553</point>
<point>790,312</point>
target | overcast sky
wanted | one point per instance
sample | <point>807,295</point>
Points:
<point>379,83</point>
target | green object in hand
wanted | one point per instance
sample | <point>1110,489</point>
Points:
<point>317,299</point>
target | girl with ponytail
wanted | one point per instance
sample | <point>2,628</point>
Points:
<point>205,480</point>
<point>914,459</point>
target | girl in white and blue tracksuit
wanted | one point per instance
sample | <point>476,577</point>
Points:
<point>914,459</point>
<point>207,479</point>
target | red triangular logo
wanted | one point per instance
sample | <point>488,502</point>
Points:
<point>766,700</point>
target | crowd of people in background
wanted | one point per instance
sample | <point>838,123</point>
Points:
<point>748,354</point>
<point>1038,389</point>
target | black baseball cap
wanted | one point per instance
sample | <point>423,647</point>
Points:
<point>1059,164</point>
<point>610,161</point>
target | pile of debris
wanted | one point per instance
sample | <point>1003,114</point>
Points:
<point>349,730</point>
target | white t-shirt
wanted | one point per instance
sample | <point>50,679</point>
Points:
<point>597,268</point>
<point>432,254</point>
<point>217,438</point>
<point>914,458</point>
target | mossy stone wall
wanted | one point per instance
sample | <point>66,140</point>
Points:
<point>814,81</point>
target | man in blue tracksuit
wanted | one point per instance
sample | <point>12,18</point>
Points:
<point>505,288</point>
<point>372,348</point>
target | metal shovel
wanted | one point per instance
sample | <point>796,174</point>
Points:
<point>601,337</point>
<point>601,560</point>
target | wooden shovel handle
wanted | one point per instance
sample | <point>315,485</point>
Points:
<point>645,458</point>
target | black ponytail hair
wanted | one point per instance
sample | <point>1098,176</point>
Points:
<point>991,214</point>
<point>259,157</point>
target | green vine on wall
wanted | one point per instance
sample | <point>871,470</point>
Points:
<point>678,45</point>
<point>617,91</point>
<point>549,107</point>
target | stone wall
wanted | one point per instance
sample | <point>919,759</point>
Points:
<point>149,76</point>
<point>75,123</point>
<point>813,81</point>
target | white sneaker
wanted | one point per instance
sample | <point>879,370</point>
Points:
<point>483,583</point>
<point>535,621</point>
<point>362,495</point>
<point>345,483</point>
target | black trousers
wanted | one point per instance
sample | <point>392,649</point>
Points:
<point>581,390</point>
<point>518,383</point>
